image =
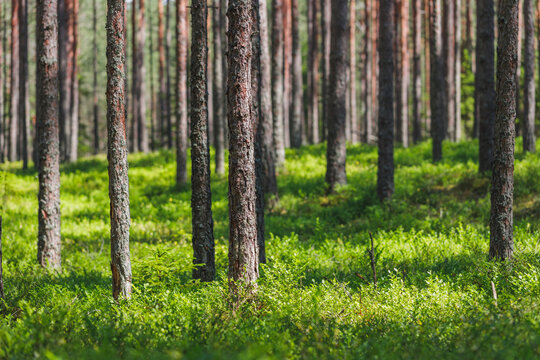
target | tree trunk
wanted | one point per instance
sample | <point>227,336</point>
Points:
<point>243,249</point>
<point>385,173</point>
<point>437,87</point>
<point>287,63</point>
<point>519,64</point>
<point>449,69</point>
<point>139,73</point>
<point>374,62</point>
<point>168,76</point>
<point>47,123</point>
<point>95,83</point>
<point>297,103</point>
<point>427,61</point>
<point>219,99</point>
<point>457,70</point>
<point>402,118</point>
<point>181,91</point>
<point>162,113</point>
<point>2,85</point>
<point>529,139</point>
<point>277,81</point>
<point>264,134</point>
<point>117,150</point>
<point>336,153</point>
<point>502,190</point>
<point>352,74</point>
<point>24,103</point>
<point>15,82</point>
<point>368,70</point>
<point>326,14</point>
<point>313,73</point>
<point>417,71</point>
<point>74,92</point>
<point>201,198</point>
<point>153,119</point>
<point>485,82</point>
<point>135,82</point>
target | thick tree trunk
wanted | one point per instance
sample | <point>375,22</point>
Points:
<point>326,14</point>
<point>168,76</point>
<point>264,134</point>
<point>368,70</point>
<point>217,88</point>
<point>277,81</point>
<point>24,103</point>
<point>201,197</point>
<point>385,173</point>
<point>485,82</point>
<point>117,150</point>
<point>181,91</point>
<point>529,139</point>
<point>287,64</point>
<point>457,70</point>
<point>162,96</point>
<point>313,73</point>
<point>15,82</point>
<point>502,190</point>
<point>47,124</point>
<point>437,86</point>
<point>336,153</point>
<point>417,71</point>
<point>449,69</point>
<point>95,83</point>
<point>243,249</point>
<point>402,114</point>
<point>74,92</point>
<point>297,103</point>
<point>353,116</point>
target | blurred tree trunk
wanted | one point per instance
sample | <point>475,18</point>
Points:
<point>326,14</point>
<point>353,116</point>
<point>485,82</point>
<point>24,103</point>
<point>449,61</point>
<point>94,82</point>
<point>336,153</point>
<point>217,88</point>
<point>368,70</point>
<point>417,71</point>
<point>168,76</point>
<point>153,120</point>
<point>385,173</point>
<point>139,86</point>
<point>402,85</point>
<point>519,114</point>
<point>201,198</point>
<point>135,81</point>
<point>437,86</point>
<point>74,91</point>
<point>15,82</point>
<point>47,123</point>
<point>375,67</point>
<point>181,91</point>
<point>2,85</point>
<point>287,63</point>
<point>457,70</point>
<point>162,113</point>
<point>243,249</point>
<point>313,73</point>
<point>427,62</point>
<point>297,103</point>
<point>277,81</point>
<point>502,190</point>
<point>117,150</point>
<point>529,139</point>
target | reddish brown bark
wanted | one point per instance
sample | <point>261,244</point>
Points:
<point>117,150</point>
<point>181,90</point>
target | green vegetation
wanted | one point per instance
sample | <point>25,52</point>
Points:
<point>315,299</point>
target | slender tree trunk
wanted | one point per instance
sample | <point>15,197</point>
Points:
<point>326,14</point>
<point>277,81</point>
<point>15,82</point>
<point>135,81</point>
<point>427,61</point>
<point>181,91</point>
<point>6,82</point>
<point>219,98</point>
<point>24,104</point>
<point>264,133</point>
<point>139,87</point>
<point>449,70</point>
<point>117,150</point>
<point>353,116</point>
<point>287,63</point>
<point>457,70</point>
<point>47,123</point>
<point>162,113</point>
<point>521,25</point>
<point>437,87</point>
<point>368,70</point>
<point>417,71</point>
<point>168,77</point>
<point>74,92</point>
<point>95,81</point>
<point>153,119</point>
<point>529,139</point>
<point>297,103</point>
<point>385,173</point>
<point>402,125</point>
<point>502,190</point>
<point>64,72</point>
<point>2,86</point>
<point>336,153</point>
<point>374,62</point>
<point>485,82</point>
<point>243,249</point>
<point>313,73</point>
<point>201,198</point>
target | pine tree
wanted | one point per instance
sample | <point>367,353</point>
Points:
<point>297,99</point>
<point>277,81</point>
<point>15,82</point>
<point>437,86</point>
<point>181,91</point>
<point>529,138</point>
<point>217,88</point>
<point>417,71</point>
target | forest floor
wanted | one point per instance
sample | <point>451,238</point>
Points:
<point>316,297</point>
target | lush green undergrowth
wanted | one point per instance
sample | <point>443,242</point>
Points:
<point>315,297</point>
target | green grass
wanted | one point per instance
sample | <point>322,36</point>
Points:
<point>315,297</point>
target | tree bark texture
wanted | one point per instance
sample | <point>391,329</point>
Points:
<point>336,153</point>
<point>74,91</point>
<point>353,116</point>
<point>117,150</point>
<point>417,71</point>
<point>385,173</point>
<point>181,91</point>
<point>485,82</point>
<point>449,69</point>
<point>402,113</point>
<point>457,69</point>
<point>218,93</point>
<point>15,82</point>
<point>297,101</point>
<point>287,64</point>
<point>529,98</point>
<point>168,75</point>
<point>94,79</point>
<point>243,249</point>
<point>368,70</point>
<point>326,14</point>
<point>313,73</point>
<point>201,197</point>
<point>502,189</point>
<point>277,81</point>
<point>437,86</point>
<point>47,123</point>
<point>24,103</point>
